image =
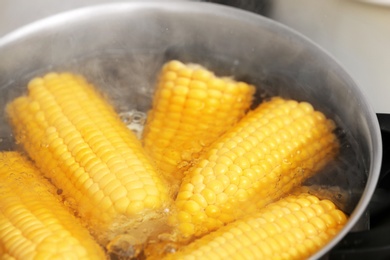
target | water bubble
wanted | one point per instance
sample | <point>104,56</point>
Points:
<point>44,145</point>
<point>134,120</point>
<point>124,246</point>
<point>286,161</point>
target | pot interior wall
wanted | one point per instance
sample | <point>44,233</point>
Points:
<point>121,47</point>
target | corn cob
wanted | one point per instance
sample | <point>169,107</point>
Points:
<point>191,108</point>
<point>270,151</point>
<point>294,227</point>
<point>78,141</point>
<point>34,223</point>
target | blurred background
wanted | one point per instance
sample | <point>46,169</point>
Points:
<point>356,33</point>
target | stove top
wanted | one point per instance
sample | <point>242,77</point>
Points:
<point>375,242</point>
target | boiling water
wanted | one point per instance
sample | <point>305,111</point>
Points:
<point>127,80</point>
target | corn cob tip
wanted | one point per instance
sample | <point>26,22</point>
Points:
<point>338,195</point>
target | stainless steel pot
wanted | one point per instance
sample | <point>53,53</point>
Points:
<point>120,48</point>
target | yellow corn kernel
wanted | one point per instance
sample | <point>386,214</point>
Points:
<point>80,143</point>
<point>258,174</point>
<point>260,237</point>
<point>33,220</point>
<point>190,110</point>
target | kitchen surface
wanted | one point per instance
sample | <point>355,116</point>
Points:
<point>355,33</point>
